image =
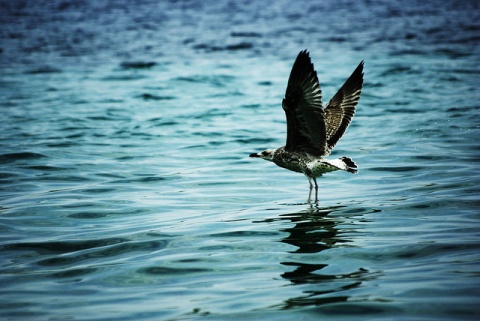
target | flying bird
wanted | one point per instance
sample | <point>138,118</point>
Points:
<point>313,130</point>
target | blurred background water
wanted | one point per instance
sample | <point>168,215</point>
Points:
<point>126,188</point>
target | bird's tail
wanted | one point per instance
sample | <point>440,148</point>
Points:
<point>350,165</point>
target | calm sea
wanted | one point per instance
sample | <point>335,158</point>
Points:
<point>126,191</point>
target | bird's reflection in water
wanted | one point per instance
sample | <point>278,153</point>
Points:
<point>312,232</point>
<point>316,230</point>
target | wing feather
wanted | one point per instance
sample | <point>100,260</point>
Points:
<point>341,108</point>
<point>306,130</point>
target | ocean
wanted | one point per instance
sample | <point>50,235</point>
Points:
<point>127,193</point>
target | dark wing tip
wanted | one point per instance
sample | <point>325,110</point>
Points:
<point>359,69</point>
<point>302,71</point>
<point>304,52</point>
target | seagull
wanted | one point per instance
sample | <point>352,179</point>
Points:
<point>314,130</point>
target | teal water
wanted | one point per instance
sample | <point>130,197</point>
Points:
<point>126,191</point>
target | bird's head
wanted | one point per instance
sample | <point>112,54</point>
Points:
<point>267,154</point>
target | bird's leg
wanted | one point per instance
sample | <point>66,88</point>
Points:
<point>310,194</point>
<point>316,190</point>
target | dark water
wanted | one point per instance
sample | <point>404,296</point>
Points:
<point>126,188</point>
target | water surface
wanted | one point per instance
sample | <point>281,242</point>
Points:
<point>126,188</point>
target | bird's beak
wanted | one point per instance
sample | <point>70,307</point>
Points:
<point>254,155</point>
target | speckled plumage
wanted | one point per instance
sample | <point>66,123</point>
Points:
<point>314,130</point>
<point>309,165</point>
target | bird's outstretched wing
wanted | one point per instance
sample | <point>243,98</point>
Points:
<point>306,130</point>
<point>340,109</point>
